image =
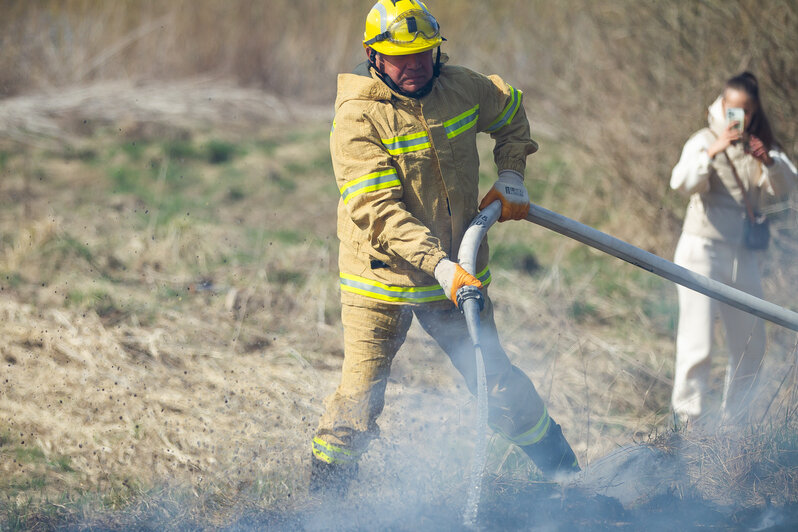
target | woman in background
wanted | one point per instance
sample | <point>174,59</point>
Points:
<point>715,162</point>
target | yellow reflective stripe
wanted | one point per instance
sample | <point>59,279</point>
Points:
<point>509,111</point>
<point>407,143</point>
<point>399,294</point>
<point>327,452</point>
<point>484,276</point>
<point>332,128</point>
<point>533,435</point>
<point>369,183</point>
<point>321,456</point>
<point>462,122</point>
<point>384,292</point>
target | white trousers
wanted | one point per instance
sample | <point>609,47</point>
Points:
<point>745,334</point>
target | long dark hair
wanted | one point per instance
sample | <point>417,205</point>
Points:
<point>759,126</point>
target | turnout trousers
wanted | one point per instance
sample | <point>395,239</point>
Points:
<point>745,334</point>
<point>373,333</point>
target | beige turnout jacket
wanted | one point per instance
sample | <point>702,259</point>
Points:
<point>716,209</point>
<point>408,171</point>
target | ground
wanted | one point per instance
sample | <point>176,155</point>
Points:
<point>169,329</point>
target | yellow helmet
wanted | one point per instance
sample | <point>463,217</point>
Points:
<point>401,27</point>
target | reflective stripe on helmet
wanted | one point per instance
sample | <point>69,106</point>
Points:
<point>399,294</point>
<point>508,113</point>
<point>383,16</point>
<point>407,143</point>
<point>327,452</point>
<point>533,435</point>
<point>369,183</point>
<point>384,13</point>
<point>461,122</point>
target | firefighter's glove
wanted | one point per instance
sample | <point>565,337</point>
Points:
<point>452,277</point>
<point>510,190</point>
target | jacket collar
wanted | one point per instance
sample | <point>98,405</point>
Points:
<point>359,87</point>
<point>364,84</point>
<point>715,116</point>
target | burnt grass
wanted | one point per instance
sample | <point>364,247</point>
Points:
<point>635,487</point>
<point>539,506</point>
<point>535,506</point>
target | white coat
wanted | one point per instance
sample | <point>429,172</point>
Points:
<point>711,244</point>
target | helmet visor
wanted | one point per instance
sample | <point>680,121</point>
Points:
<point>408,26</point>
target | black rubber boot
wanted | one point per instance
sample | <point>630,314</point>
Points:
<point>552,454</point>
<point>330,479</point>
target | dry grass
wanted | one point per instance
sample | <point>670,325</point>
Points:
<point>146,344</point>
<point>174,365</point>
<point>624,82</point>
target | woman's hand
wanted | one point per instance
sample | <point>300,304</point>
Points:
<point>757,149</point>
<point>730,135</point>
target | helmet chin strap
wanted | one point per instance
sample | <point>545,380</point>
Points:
<point>420,93</point>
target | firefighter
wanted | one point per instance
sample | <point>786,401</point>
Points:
<point>404,153</point>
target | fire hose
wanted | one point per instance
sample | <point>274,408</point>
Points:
<point>470,301</point>
<point>631,254</point>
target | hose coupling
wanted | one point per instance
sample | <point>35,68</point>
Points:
<point>468,292</point>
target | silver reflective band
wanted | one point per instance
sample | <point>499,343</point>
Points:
<point>369,183</point>
<point>407,143</point>
<point>383,16</point>
<point>533,435</point>
<point>461,122</point>
<point>399,294</point>
<point>508,113</point>
<point>332,454</point>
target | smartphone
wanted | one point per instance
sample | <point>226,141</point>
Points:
<point>736,114</point>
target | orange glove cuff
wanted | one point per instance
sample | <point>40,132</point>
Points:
<point>462,278</point>
<point>510,211</point>
<point>489,198</point>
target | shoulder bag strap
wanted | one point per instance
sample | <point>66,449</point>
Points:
<point>748,208</point>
